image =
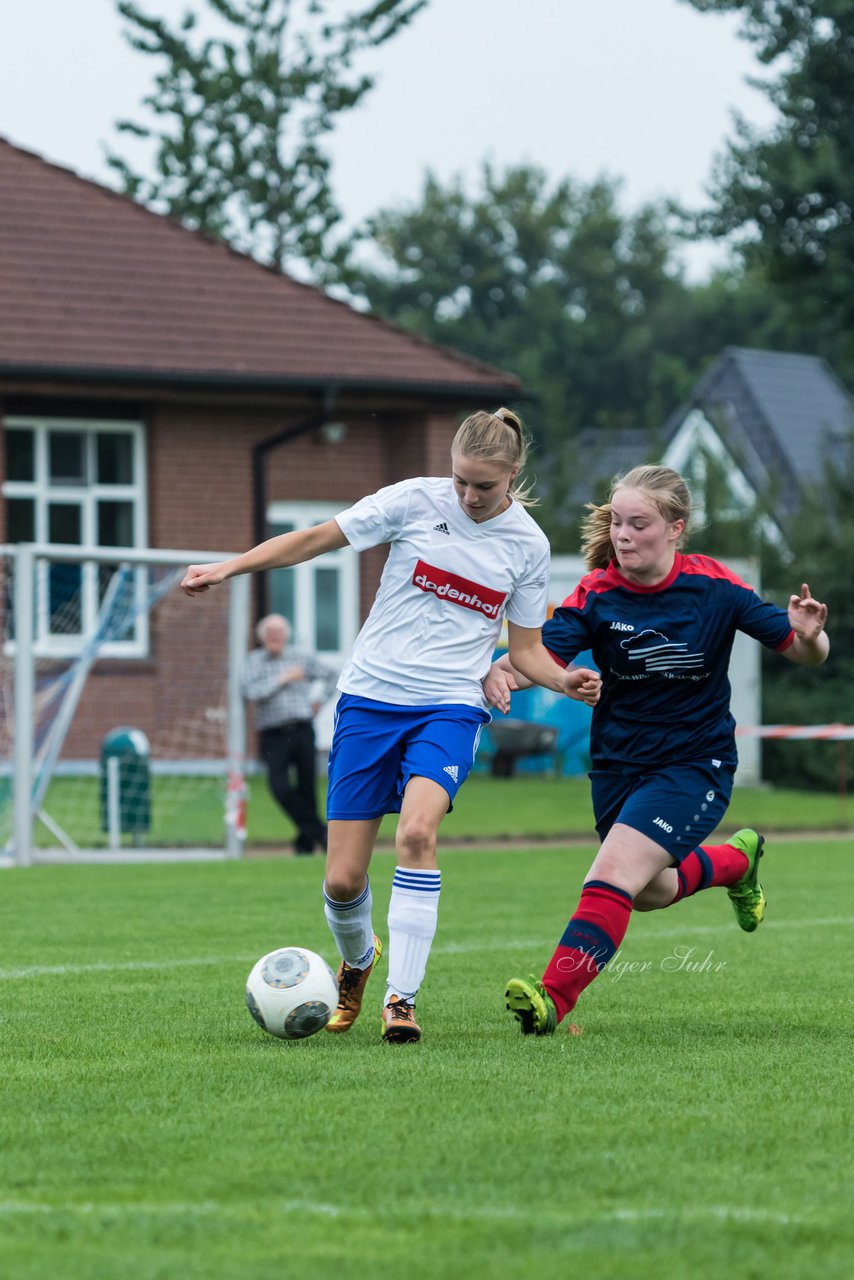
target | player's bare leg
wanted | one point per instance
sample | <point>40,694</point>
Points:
<point>349,847</point>
<point>659,893</point>
<point>626,863</point>
<point>347,899</point>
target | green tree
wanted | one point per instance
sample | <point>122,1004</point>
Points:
<point>821,539</point>
<point>786,196</point>
<point>549,280</point>
<point>818,550</point>
<point>240,118</point>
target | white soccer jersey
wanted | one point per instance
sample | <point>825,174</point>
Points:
<point>447,584</point>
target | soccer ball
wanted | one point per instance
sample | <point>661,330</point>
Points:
<point>291,993</point>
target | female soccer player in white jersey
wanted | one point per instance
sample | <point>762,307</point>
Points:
<point>661,625</point>
<point>464,554</point>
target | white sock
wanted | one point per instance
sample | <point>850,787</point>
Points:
<point>351,927</point>
<point>413,914</point>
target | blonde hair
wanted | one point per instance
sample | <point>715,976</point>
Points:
<point>664,488</point>
<point>499,437</point>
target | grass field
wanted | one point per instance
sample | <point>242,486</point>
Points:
<point>151,1131</point>
<point>190,812</point>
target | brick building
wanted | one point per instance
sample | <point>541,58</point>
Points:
<point>158,389</point>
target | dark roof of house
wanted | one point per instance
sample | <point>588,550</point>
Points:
<point>784,415</point>
<point>604,455</point>
<point>600,455</point>
<point>95,285</point>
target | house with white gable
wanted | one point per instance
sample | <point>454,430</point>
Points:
<point>772,420</point>
<point>772,423</point>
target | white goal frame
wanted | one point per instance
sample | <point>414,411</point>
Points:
<point>27,558</point>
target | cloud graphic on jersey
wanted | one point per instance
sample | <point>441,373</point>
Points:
<point>633,641</point>
<point>657,653</point>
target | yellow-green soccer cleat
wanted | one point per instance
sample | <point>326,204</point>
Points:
<point>747,896</point>
<point>531,1006</point>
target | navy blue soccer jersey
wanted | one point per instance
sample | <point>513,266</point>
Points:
<point>663,653</point>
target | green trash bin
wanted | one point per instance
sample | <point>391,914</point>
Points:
<point>125,784</point>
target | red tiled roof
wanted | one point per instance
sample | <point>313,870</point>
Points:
<point>93,283</point>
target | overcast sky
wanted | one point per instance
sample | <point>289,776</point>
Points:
<point>638,89</point>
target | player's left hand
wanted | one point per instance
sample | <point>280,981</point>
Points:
<point>806,615</point>
<point>498,685</point>
<point>583,684</point>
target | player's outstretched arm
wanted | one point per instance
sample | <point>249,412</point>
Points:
<point>807,618</point>
<point>276,553</point>
<point>529,656</point>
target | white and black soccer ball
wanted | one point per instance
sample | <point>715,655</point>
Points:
<point>291,993</point>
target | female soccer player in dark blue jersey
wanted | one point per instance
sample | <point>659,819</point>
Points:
<point>661,624</point>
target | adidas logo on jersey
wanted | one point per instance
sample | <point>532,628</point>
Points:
<point>453,770</point>
<point>441,528</point>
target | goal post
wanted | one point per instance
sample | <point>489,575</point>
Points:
<point>102,648</point>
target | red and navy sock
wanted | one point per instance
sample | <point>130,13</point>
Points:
<point>591,938</point>
<point>709,866</point>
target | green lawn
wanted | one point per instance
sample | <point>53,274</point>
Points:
<point>151,1131</point>
<point>190,811</point>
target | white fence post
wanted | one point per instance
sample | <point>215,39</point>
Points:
<point>235,810</point>
<point>24,677</point>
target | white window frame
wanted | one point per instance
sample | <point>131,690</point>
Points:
<point>304,515</point>
<point>86,497</point>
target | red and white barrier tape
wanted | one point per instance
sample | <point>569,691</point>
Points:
<point>838,732</point>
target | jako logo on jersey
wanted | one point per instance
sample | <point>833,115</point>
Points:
<point>665,826</point>
<point>441,528</point>
<point>450,586</point>
<point>621,626</point>
<point>453,770</point>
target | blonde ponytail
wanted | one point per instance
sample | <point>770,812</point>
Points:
<point>497,437</point>
<point>596,545</point>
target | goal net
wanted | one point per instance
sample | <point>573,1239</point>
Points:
<point>121,724</point>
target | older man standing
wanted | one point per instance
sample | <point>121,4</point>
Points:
<point>278,680</point>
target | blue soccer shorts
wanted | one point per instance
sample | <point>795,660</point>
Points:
<point>378,746</point>
<point>677,807</point>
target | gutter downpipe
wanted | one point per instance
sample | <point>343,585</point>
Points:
<point>259,479</point>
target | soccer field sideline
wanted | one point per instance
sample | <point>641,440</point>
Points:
<point>442,1211</point>
<point>447,949</point>
<point>384,849</point>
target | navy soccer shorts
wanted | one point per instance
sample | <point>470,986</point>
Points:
<point>677,807</point>
<point>378,746</point>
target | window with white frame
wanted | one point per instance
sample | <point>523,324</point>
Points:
<point>78,483</point>
<point>321,597</point>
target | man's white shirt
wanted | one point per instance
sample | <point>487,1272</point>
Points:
<point>447,585</point>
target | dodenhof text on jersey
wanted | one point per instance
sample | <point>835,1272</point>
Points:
<point>459,590</point>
